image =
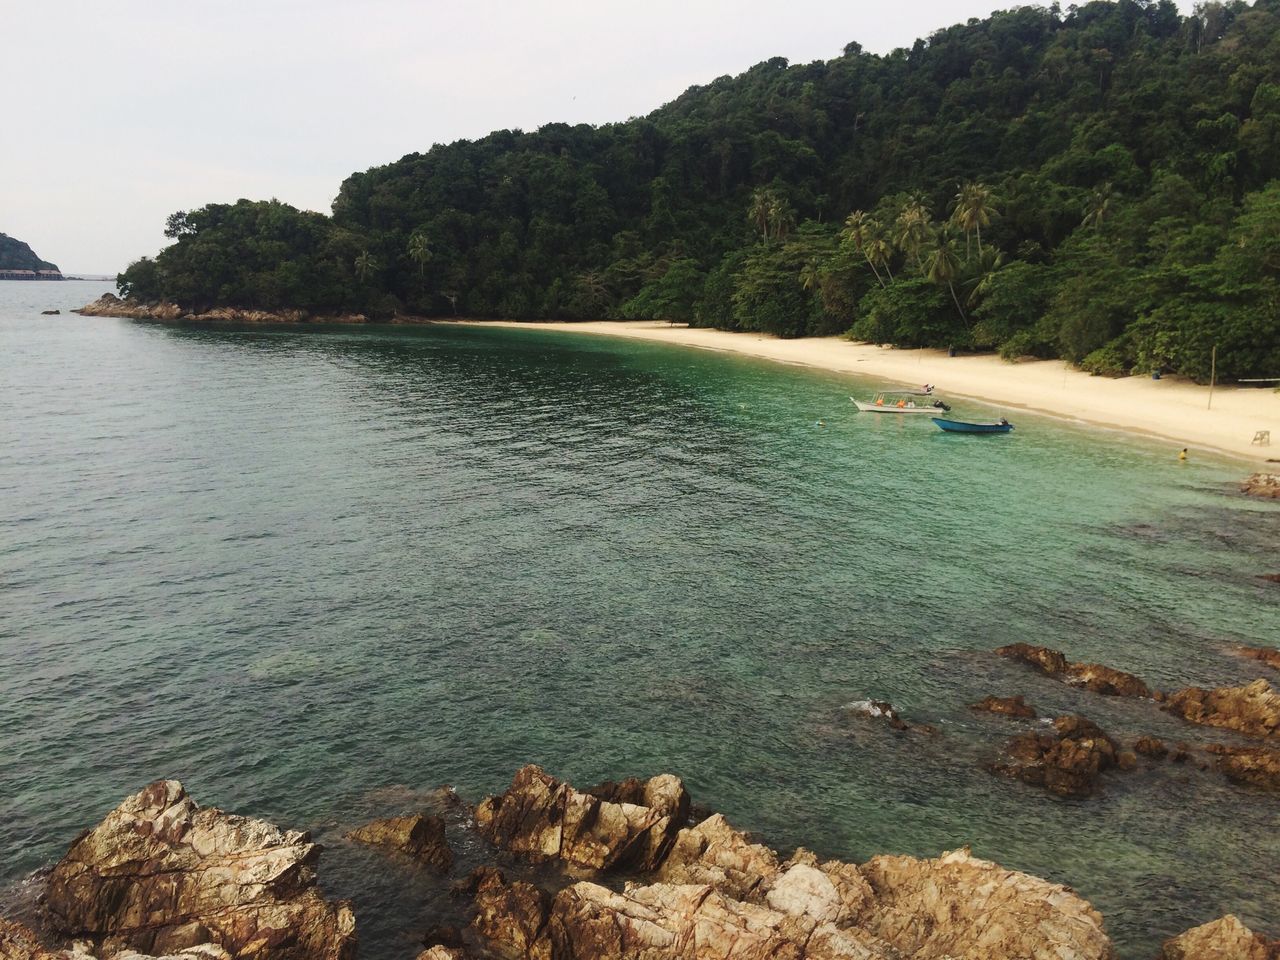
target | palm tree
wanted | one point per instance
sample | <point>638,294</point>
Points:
<point>942,266</point>
<point>863,232</point>
<point>781,217</point>
<point>420,252</point>
<point>973,210</point>
<point>811,274</point>
<point>912,229</point>
<point>981,273</point>
<point>366,264</point>
<point>1099,206</point>
<point>758,212</point>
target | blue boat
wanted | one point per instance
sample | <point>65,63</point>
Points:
<point>963,426</point>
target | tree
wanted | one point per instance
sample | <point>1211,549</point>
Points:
<point>913,229</point>
<point>942,266</point>
<point>973,209</point>
<point>1099,206</point>
<point>366,264</point>
<point>419,250</point>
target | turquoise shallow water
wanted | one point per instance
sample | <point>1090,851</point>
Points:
<point>295,568</point>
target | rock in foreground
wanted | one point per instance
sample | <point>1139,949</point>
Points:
<point>160,874</point>
<point>417,836</point>
<point>1224,939</point>
<point>1069,761</point>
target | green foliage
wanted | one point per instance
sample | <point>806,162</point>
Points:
<point>1091,184</point>
<point>16,255</point>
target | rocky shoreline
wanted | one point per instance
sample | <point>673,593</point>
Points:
<point>636,874</point>
<point>109,305</point>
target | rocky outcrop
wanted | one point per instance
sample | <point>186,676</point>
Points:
<point>18,942</point>
<point>714,854</point>
<point>1253,710</point>
<point>1261,485</point>
<point>884,712</point>
<point>160,874</point>
<point>510,916</point>
<point>1009,706</point>
<point>1224,939</point>
<point>1151,747</point>
<point>1256,766</point>
<point>418,836</point>
<point>109,305</point>
<point>959,906</point>
<point>1092,676</point>
<point>540,818</point>
<point>1069,761</point>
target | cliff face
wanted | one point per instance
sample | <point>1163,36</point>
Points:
<point>19,262</point>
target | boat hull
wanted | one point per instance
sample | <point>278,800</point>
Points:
<point>891,408</point>
<point>962,426</point>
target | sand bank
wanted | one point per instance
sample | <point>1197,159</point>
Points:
<point>1171,409</point>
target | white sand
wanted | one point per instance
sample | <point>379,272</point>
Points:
<point>1172,409</point>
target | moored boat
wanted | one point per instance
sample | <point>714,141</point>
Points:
<point>900,401</point>
<point>968,426</point>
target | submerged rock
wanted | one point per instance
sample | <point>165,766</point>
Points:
<point>418,836</point>
<point>1069,762</point>
<point>1009,706</point>
<point>1049,661</point>
<point>1223,939</point>
<point>884,711</point>
<point>1264,654</point>
<point>160,874</point>
<point>1261,485</point>
<point>541,818</point>
<point>1253,710</point>
<point>1151,747</point>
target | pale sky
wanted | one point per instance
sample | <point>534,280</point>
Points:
<point>117,114</point>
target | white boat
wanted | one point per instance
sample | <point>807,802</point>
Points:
<point>901,401</point>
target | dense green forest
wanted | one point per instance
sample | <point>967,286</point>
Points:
<point>1099,184</point>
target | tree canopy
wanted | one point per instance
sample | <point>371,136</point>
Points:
<point>1099,184</point>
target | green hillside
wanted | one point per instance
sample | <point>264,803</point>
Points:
<point>16,255</point>
<point>1099,185</point>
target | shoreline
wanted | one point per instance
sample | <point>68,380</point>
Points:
<point>1169,409</point>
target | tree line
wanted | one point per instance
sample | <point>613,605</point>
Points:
<point>1098,185</point>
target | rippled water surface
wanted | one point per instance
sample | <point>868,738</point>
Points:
<point>310,572</point>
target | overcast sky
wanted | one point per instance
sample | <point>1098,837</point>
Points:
<point>116,114</point>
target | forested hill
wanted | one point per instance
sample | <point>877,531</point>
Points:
<point>17,257</point>
<point>1098,185</point>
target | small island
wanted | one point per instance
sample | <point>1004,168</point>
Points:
<point>19,262</point>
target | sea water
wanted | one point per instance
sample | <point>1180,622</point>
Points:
<point>312,572</point>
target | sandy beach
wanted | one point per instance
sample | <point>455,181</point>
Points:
<point>1171,409</point>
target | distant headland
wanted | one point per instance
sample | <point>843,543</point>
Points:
<point>19,262</point>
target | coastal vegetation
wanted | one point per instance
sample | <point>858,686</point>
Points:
<point>1098,184</point>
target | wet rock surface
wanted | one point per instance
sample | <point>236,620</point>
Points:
<point>1255,766</point>
<point>1092,676</point>
<point>1253,710</point>
<point>1265,655</point>
<point>418,836</point>
<point>1261,485</point>
<point>161,874</point>
<point>1068,761</point>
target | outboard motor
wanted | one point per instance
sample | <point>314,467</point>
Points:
<point>942,406</point>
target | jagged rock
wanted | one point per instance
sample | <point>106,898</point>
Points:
<point>1151,747</point>
<point>1068,762</point>
<point>418,836</point>
<point>1256,766</point>
<point>160,874</point>
<point>1049,661</point>
<point>540,818</point>
<point>831,892</point>
<point>1264,654</point>
<point>693,922</point>
<point>959,906</point>
<point>20,943</point>
<point>17,942</point>
<point>441,952</point>
<point>510,916</point>
<point>1009,706</point>
<point>1092,676</point>
<point>1106,680</point>
<point>1223,939</point>
<point>1253,710</point>
<point>664,793</point>
<point>1261,485</point>
<point>716,855</point>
